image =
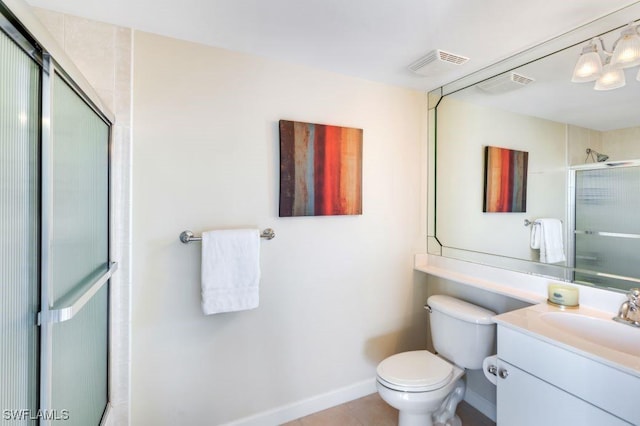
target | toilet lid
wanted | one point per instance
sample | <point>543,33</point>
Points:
<point>415,371</point>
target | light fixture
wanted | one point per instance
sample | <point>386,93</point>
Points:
<point>589,66</point>
<point>626,51</point>
<point>599,158</point>
<point>610,75</point>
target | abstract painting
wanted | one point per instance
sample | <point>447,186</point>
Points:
<point>320,169</point>
<point>505,180</point>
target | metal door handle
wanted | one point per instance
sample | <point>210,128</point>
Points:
<point>60,314</point>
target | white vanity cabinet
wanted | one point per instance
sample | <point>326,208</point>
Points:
<point>543,384</point>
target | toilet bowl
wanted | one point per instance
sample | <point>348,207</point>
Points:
<point>426,388</point>
<point>417,383</point>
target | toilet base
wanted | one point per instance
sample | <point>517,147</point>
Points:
<point>434,408</point>
<point>414,419</point>
<point>411,419</point>
<point>454,421</point>
<point>446,414</point>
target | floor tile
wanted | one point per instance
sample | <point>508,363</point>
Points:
<point>371,410</point>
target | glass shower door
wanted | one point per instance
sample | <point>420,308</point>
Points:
<point>76,260</point>
<point>54,238</point>
<point>607,233</point>
<point>19,233</point>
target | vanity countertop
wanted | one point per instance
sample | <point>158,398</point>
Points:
<point>528,288</point>
<point>541,321</point>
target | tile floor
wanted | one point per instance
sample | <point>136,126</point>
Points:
<point>373,411</point>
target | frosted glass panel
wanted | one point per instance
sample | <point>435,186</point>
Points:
<point>607,226</point>
<point>80,191</point>
<point>79,250</point>
<point>608,255</point>
<point>19,130</point>
<point>607,200</point>
<point>80,363</point>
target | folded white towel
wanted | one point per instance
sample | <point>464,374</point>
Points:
<point>230,270</point>
<point>535,236</point>
<point>550,240</point>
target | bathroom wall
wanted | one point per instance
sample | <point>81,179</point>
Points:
<point>338,294</point>
<point>102,52</point>
<point>620,144</point>
<point>578,140</point>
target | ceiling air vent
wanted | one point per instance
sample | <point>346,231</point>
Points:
<point>505,83</point>
<point>437,61</point>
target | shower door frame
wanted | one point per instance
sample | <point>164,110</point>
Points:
<point>571,209</point>
<point>51,314</point>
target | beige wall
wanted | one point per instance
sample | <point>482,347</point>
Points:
<point>578,140</point>
<point>338,294</point>
<point>622,144</point>
<point>619,145</point>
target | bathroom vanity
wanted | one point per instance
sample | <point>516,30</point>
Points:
<point>566,367</point>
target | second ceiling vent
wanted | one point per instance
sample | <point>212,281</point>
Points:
<point>505,82</point>
<point>436,62</point>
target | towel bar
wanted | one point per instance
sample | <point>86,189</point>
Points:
<point>187,236</point>
<point>527,222</point>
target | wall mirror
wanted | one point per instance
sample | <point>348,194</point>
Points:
<point>528,103</point>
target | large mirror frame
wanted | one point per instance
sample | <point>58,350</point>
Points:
<point>564,271</point>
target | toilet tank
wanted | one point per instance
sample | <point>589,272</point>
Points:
<point>462,332</point>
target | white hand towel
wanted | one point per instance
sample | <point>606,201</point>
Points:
<point>551,246</point>
<point>230,270</point>
<point>535,236</point>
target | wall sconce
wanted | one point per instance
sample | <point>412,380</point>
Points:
<point>599,158</point>
<point>610,75</point>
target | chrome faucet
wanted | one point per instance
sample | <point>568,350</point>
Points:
<point>629,312</point>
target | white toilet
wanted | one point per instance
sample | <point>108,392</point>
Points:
<point>427,388</point>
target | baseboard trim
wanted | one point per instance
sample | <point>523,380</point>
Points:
<point>289,412</point>
<point>479,403</point>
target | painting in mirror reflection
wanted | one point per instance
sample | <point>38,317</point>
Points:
<point>505,178</point>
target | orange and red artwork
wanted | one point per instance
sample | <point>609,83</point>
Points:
<point>505,180</point>
<point>320,169</point>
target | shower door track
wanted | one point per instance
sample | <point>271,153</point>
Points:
<point>607,234</point>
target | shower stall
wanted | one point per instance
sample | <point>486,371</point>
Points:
<point>607,230</point>
<point>54,232</point>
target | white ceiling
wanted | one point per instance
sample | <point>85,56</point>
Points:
<point>371,39</point>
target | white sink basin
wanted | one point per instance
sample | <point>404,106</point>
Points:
<point>604,332</point>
